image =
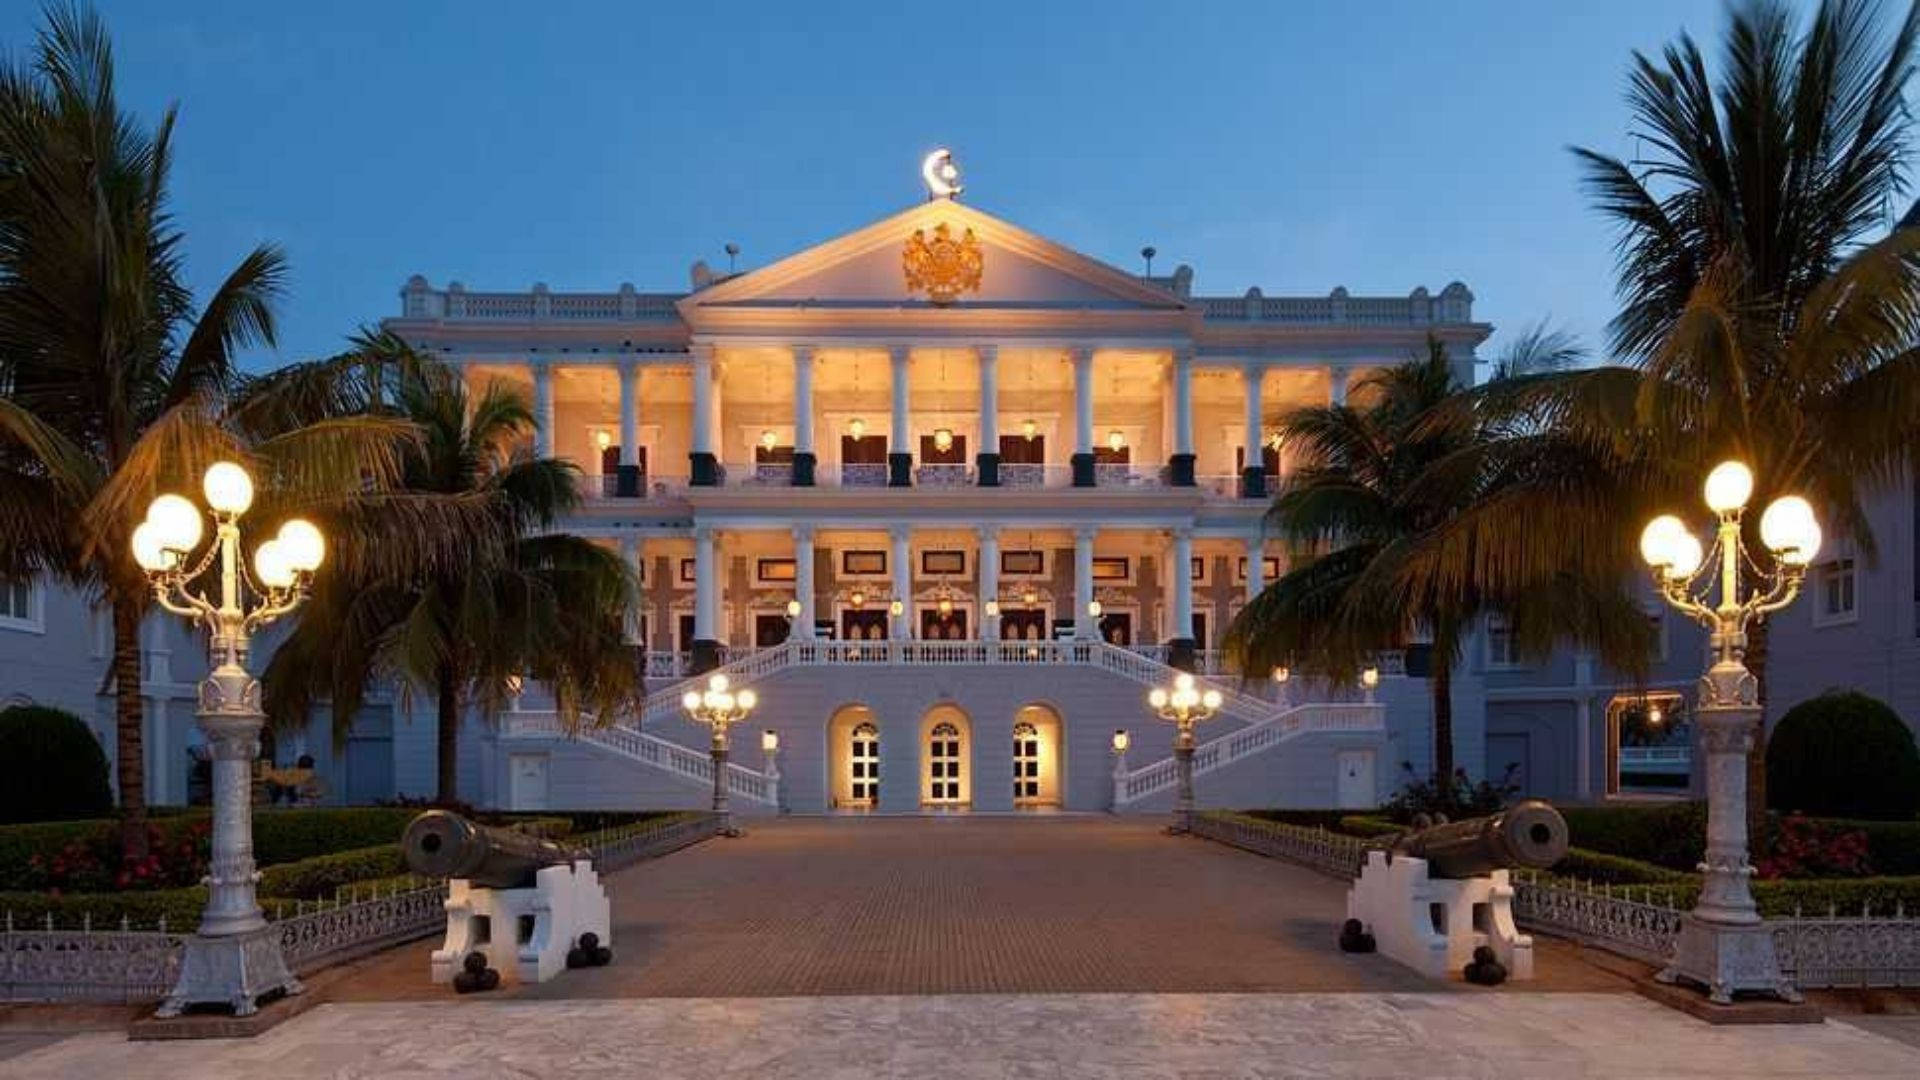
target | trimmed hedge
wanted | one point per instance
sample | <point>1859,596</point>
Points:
<point>1844,754</point>
<point>288,834</point>
<point>55,767</point>
<point>320,877</point>
<point>142,910</point>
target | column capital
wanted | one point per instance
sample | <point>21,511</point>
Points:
<point>701,350</point>
<point>801,352</point>
<point>628,365</point>
<point>1254,365</point>
<point>988,533</point>
<point>900,533</point>
<point>1086,532</point>
<point>703,534</point>
<point>803,533</point>
<point>987,352</point>
<point>540,365</point>
<point>1181,532</point>
<point>900,353</point>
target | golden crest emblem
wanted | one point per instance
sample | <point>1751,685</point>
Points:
<point>941,266</point>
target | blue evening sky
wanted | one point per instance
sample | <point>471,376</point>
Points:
<point>1376,145</point>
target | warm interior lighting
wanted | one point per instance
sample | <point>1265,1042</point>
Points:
<point>1116,440</point>
<point>1654,715</point>
<point>943,439</point>
<point>857,428</point>
<point>1729,486</point>
<point>1029,430</point>
<point>1789,530</point>
<point>1030,598</point>
<point>946,606</point>
<point>228,488</point>
<point>857,601</point>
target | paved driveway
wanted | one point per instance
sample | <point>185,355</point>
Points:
<point>933,905</point>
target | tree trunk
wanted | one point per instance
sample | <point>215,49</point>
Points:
<point>1441,676</point>
<point>130,759</point>
<point>1758,838</point>
<point>448,708</point>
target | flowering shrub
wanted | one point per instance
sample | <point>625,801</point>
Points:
<point>1808,849</point>
<point>94,863</point>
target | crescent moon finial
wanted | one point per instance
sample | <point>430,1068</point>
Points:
<point>941,175</point>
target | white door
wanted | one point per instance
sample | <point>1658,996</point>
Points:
<point>943,764</point>
<point>1026,763</point>
<point>1356,790</point>
<point>527,781</point>
<point>863,765</point>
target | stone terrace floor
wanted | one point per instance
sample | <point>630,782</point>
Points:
<point>941,905</point>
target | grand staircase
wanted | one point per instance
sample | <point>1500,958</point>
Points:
<point>1265,724</point>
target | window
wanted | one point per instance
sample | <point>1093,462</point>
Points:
<point>776,571</point>
<point>871,563</point>
<point>1114,568</point>
<point>19,605</point>
<point>942,563</point>
<point>1500,654</point>
<point>1269,565</point>
<point>1023,564</point>
<point>1837,600</point>
<point>687,575</point>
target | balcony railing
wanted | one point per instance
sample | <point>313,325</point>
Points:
<point>943,476</point>
<point>866,475</point>
<point>1129,476</point>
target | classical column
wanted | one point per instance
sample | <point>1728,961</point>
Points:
<point>803,456</point>
<point>1180,644</point>
<point>705,465</point>
<point>706,601</point>
<point>628,484</point>
<point>630,553</point>
<point>803,582</point>
<point>1180,464</point>
<point>1256,565</point>
<point>542,407</point>
<point>989,568</point>
<point>900,452</point>
<point>1253,469</point>
<point>1337,386</point>
<point>1085,627</point>
<point>901,563</point>
<point>1083,417</point>
<point>987,460</point>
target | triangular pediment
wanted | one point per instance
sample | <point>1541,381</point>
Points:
<point>1019,270</point>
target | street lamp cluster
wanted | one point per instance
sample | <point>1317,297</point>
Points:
<point>719,707</point>
<point>1183,706</point>
<point>235,957</point>
<point>1723,945</point>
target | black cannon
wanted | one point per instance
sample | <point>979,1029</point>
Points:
<point>1529,834</point>
<point>444,845</point>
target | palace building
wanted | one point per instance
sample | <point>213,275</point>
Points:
<point>951,496</point>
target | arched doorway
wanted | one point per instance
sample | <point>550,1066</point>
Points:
<point>946,757</point>
<point>853,758</point>
<point>1036,756</point>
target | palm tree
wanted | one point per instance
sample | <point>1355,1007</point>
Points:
<point>113,387</point>
<point>1765,315</point>
<point>1402,495</point>
<point>524,603</point>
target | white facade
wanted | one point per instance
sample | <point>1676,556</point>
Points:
<point>1058,454</point>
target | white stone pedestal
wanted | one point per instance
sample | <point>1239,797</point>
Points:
<point>1432,925</point>
<point>525,933</point>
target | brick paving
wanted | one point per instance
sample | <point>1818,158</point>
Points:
<point>942,905</point>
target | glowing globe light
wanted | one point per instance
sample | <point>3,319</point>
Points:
<point>271,566</point>
<point>176,522</point>
<point>149,552</point>
<point>1281,674</point>
<point>1029,429</point>
<point>1687,556</point>
<point>857,428</point>
<point>943,439</point>
<point>1789,530</point>
<point>993,609</point>
<point>746,699</point>
<point>690,700</point>
<point>602,438</point>
<point>304,545</point>
<point>1122,740</point>
<point>1660,538</point>
<point>769,740</point>
<point>1116,440</point>
<point>228,488</point>
<point>1728,487</point>
<point>1370,678</point>
<point>793,609</point>
<point>768,439</point>
<point>1157,698</point>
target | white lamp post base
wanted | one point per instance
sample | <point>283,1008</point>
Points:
<point>1727,960</point>
<point>235,970</point>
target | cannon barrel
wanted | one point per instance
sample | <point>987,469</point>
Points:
<point>444,845</point>
<point>1528,834</point>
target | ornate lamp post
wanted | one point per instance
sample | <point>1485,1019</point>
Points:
<point>1723,945</point>
<point>719,708</point>
<point>1183,706</point>
<point>235,957</point>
